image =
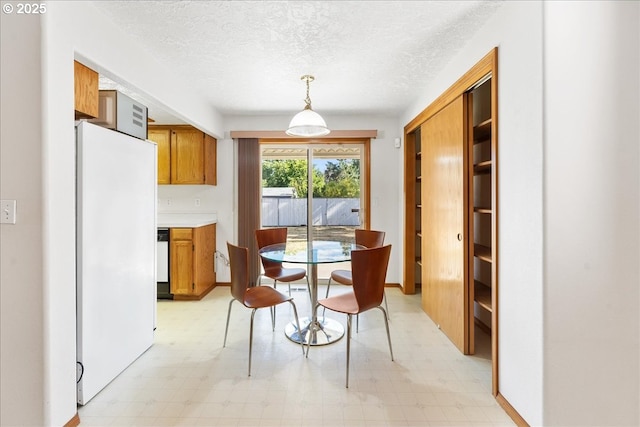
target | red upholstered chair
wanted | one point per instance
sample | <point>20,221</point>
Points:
<point>272,269</point>
<point>369,271</point>
<point>254,297</point>
<point>368,239</point>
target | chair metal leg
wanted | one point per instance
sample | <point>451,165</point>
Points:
<point>253,312</point>
<point>384,296</point>
<point>295,314</point>
<point>272,310</point>
<point>227,328</point>
<point>386,324</point>
<point>311,332</point>
<point>348,346</point>
<point>324,311</point>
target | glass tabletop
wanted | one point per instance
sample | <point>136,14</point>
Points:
<point>315,252</point>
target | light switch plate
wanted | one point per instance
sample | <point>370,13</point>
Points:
<point>7,211</point>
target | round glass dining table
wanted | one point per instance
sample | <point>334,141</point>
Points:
<point>315,330</point>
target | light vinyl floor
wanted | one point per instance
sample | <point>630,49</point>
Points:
<point>188,379</point>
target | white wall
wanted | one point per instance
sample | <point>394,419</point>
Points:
<point>605,298</point>
<point>592,219</point>
<point>22,342</point>
<point>517,32</point>
<point>70,30</point>
<point>568,206</point>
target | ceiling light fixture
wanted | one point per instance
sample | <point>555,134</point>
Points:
<point>307,123</point>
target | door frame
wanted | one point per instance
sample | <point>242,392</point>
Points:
<point>487,66</point>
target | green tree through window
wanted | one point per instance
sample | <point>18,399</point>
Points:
<point>339,180</point>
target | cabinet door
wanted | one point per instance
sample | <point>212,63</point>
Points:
<point>210,160</point>
<point>204,241</point>
<point>187,156</point>
<point>86,91</point>
<point>181,254</point>
<point>162,137</point>
<point>444,222</point>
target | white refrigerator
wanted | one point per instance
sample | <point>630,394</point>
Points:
<point>116,253</point>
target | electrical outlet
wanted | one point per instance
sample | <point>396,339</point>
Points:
<point>197,202</point>
<point>168,202</point>
<point>7,211</point>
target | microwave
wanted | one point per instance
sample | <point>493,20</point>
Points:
<point>119,112</point>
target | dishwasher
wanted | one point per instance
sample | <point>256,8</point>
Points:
<point>162,264</point>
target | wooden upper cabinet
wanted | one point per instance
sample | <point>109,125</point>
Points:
<point>86,91</point>
<point>210,160</point>
<point>185,155</point>
<point>162,137</point>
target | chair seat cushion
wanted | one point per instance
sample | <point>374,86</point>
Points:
<point>285,274</point>
<point>343,303</point>
<point>264,296</point>
<point>342,276</point>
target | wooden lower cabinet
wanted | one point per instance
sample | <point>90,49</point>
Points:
<point>191,271</point>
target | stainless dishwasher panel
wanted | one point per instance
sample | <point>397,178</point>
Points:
<point>162,265</point>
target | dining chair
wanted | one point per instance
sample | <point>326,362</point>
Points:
<point>368,239</point>
<point>253,297</point>
<point>369,271</point>
<point>273,269</point>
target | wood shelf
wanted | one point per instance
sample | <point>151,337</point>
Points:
<point>419,155</point>
<point>482,132</point>
<point>418,178</point>
<point>419,261</point>
<point>481,168</point>
<point>482,295</point>
<point>418,206</point>
<point>482,252</point>
<point>419,234</point>
<point>482,210</point>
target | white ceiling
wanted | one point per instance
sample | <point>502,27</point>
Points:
<point>247,57</point>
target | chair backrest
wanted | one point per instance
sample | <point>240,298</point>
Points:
<point>270,236</point>
<point>369,238</point>
<point>239,265</point>
<point>369,272</point>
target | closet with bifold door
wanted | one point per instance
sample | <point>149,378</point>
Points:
<point>454,140</point>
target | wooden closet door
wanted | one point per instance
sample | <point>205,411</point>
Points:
<point>444,222</point>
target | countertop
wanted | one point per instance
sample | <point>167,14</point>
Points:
<point>186,220</point>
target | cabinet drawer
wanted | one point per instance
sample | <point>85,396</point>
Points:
<point>181,233</point>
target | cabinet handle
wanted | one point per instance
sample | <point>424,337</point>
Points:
<point>460,237</point>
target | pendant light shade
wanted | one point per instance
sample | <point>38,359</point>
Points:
<point>307,123</point>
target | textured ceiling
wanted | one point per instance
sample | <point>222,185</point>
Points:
<point>247,57</point>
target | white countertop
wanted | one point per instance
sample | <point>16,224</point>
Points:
<point>186,220</point>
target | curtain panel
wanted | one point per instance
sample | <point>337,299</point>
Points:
<point>249,175</point>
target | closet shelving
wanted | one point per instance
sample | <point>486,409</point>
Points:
<point>481,202</point>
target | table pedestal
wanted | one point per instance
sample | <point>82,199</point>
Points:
<point>315,330</point>
<point>323,331</point>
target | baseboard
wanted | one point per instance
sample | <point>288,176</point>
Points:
<point>73,422</point>
<point>510,410</point>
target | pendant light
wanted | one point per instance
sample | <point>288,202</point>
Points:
<point>307,123</point>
